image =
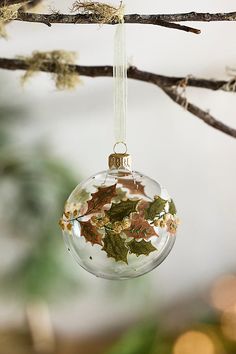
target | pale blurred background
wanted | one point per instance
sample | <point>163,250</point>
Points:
<point>70,135</point>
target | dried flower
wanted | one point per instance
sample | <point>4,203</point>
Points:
<point>106,220</point>
<point>67,214</point>
<point>62,224</point>
<point>100,221</point>
<point>167,217</point>
<point>75,213</point>
<point>172,226</point>
<point>117,227</point>
<point>126,223</point>
<point>69,226</point>
<point>159,223</point>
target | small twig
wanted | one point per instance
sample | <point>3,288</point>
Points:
<point>198,112</point>
<point>167,84</point>
<point>194,17</point>
<point>173,25</point>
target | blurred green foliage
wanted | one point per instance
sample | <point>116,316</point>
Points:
<point>142,339</point>
<point>150,338</point>
<point>33,186</point>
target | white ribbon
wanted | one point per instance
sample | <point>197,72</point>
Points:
<point>120,83</point>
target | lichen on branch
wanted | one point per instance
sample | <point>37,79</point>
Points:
<point>64,75</point>
<point>7,14</point>
<point>230,86</point>
<point>102,13</point>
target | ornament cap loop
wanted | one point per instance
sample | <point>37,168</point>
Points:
<point>124,147</point>
<point>120,161</point>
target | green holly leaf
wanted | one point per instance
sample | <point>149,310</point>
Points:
<point>172,208</point>
<point>115,247</point>
<point>155,208</point>
<point>142,247</point>
<point>120,210</point>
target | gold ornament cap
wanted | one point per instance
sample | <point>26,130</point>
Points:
<point>119,161</point>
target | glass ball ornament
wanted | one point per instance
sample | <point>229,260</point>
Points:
<point>119,223</point>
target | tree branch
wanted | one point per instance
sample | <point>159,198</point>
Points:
<point>133,73</point>
<point>130,19</point>
<point>196,17</point>
<point>164,20</point>
<point>198,112</point>
<point>168,84</point>
<point>151,19</point>
<point>49,19</point>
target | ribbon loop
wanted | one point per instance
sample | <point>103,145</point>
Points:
<point>120,82</point>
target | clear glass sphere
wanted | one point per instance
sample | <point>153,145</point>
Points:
<point>119,224</point>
